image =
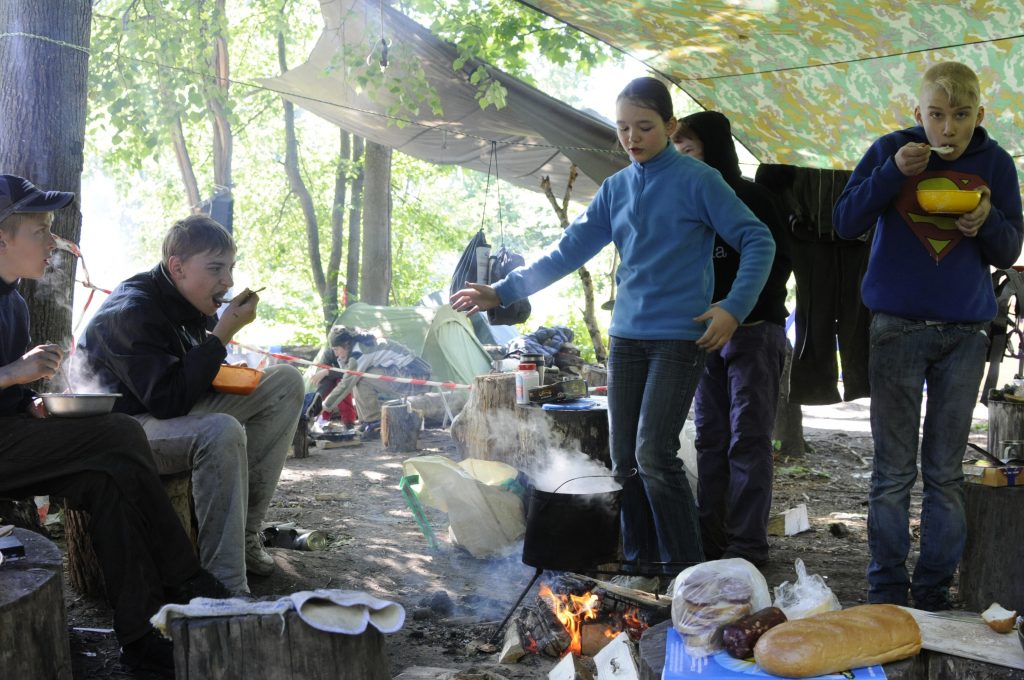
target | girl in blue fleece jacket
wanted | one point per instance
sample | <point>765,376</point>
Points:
<point>662,212</point>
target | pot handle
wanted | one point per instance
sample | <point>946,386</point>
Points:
<point>620,478</point>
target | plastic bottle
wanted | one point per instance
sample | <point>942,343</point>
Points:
<point>527,378</point>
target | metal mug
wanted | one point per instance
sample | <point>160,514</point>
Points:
<point>1012,449</point>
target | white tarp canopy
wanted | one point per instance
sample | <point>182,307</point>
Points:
<point>533,136</point>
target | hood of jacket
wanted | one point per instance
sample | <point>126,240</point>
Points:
<point>715,134</point>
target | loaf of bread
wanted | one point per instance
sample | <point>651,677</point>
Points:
<point>838,641</point>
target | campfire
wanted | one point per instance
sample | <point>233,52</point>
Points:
<point>577,615</point>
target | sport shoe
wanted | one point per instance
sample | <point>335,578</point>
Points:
<point>257,560</point>
<point>152,652</point>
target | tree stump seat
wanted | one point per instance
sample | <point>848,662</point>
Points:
<point>33,623</point>
<point>265,647</point>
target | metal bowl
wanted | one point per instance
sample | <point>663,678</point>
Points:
<point>78,405</point>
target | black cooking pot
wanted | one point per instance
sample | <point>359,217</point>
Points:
<point>571,532</point>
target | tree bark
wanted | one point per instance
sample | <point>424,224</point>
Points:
<point>330,301</point>
<point>589,316</point>
<point>355,216</point>
<point>42,105</point>
<point>297,185</point>
<point>218,97</point>
<point>376,265</point>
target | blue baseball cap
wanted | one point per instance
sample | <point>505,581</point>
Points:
<point>18,195</point>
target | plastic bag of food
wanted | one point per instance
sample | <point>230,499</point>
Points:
<point>706,597</point>
<point>809,595</point>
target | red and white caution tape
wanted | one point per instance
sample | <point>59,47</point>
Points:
<point>371,376</point>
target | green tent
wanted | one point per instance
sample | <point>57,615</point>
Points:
<point>442,336</point>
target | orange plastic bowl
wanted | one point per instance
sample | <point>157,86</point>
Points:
<point>948,201</point>
<point>236,379</point>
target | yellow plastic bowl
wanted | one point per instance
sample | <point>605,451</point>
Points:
<point>948,201</point>
<point>236,379</point>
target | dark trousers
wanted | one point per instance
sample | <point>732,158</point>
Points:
<point>829,310</point>
<point>734,411</point>
<point>103,465</point>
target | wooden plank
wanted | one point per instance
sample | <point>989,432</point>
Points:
<point>965,635</point>
<point>270,647</point>
<point>33,624</point>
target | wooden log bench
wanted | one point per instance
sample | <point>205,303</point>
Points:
<point>33,623</point>
<point>272,647</point>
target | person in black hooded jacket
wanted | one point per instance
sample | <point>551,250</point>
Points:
<point>738,392</point>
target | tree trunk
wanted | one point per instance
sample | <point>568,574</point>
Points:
<point>376,265</point>
<point>330,301</point>
<point>355,216</point>
<point>789,419</point>
<point>589,316</point>
<point>298,185</point>
<point>218,99</point>
<point>42,106</point>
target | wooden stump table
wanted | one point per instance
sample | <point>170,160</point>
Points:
<point>33,624</point>
<point>493,427</point>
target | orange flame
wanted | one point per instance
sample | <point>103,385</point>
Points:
<point>572,611</point>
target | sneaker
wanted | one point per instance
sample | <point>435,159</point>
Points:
<point>152,652</point>
<point>257,560</point>
<point>203,584</point>
<point>647,584</point>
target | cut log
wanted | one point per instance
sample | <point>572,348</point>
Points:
<point>83,566</point>
<point>399,427</point>
<point>263,647</point>
<point>33,624</point>
<point>990,568</point>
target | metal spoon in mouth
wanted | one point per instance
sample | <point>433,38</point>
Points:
<point>941,149</point>
<point>246,297</point>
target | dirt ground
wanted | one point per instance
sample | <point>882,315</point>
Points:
<point>454,601</point>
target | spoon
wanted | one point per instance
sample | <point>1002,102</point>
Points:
<point>941,149</point>
<point>247,295</point>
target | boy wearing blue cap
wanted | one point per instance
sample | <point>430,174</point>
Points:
<point>99,464</point>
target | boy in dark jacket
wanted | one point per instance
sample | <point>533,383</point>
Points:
<point>736,398</point>
<point>157,341</point>
<point>929,286</point>
<point>99,464</point>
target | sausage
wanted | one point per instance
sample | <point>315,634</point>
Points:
<point>740,636</point>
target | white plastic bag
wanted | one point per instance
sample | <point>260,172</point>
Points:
<point>708,596</point>
<point>484,518</point>
<point>808,596</point>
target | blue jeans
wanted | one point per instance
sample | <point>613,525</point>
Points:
<point>650,387</point>
<point>950,358</point>
<point>734,411</point>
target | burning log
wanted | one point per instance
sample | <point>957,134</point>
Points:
<point>578,615</point>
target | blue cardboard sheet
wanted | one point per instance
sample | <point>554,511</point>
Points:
<point>720,666</point>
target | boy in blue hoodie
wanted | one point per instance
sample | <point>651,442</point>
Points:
<point>929,287</point>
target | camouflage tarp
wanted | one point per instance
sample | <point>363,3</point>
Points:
<point>812,83</point>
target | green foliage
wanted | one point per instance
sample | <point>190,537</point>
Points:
<point>150,69</point>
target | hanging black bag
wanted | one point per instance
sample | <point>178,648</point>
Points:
<point>501,263</point>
